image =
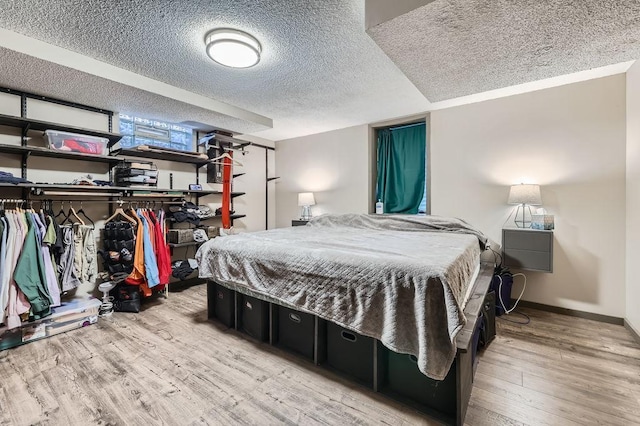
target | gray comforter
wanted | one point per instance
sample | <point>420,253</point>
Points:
<point>399,279</point>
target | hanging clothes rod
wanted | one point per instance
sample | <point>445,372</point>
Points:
<point>85,201</point>
<point>80,194</point>
<point>150,196</point>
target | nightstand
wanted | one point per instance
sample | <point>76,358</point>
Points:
<point>298,222</point>
<point>529,249</point>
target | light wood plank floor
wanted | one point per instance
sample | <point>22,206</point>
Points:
<point>169,365</point>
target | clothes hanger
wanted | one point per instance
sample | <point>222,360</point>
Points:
<point>82,212</point>
<point>71,214</point>
<point>61,212</point>
<point>49,208</point>
<point>120,212</point>
<point>223,156</point>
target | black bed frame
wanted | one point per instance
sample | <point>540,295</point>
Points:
<point>446,400</point>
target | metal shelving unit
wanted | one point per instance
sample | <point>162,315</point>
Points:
<point>174,157</point>
<point>37,151</point>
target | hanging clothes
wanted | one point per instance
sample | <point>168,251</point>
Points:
<point>150,262</point>
<point>137,276</point>
<point>66,270</point>
<point>49,272</point>
<point>29,272</point>
<point>163,252</point>
<point>85,254</point>
<point>3,251</point>
<point>226,192</point>
<point>48,242</point>
<point>17,303</point>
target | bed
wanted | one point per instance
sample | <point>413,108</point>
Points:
<point>402,280</point>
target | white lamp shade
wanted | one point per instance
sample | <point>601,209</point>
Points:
<point>306,199</point>
<point>525,194</point>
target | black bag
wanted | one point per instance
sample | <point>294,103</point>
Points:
<point>126,298</point>
<point>501,283</point>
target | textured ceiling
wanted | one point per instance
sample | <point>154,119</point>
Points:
<point>319,71</point>
<point>453,48</point>
<point>23,72</point>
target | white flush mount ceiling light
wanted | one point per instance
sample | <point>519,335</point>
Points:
<point>233,48</point>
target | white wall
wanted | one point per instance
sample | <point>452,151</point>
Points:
<point>333,165</point>
<point>571,141</point>
<point>633,196</point>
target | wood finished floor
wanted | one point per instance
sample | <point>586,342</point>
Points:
<point>169,365</point>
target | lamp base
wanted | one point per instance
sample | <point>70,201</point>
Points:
<point>306,213</point>
<point>523,222</point>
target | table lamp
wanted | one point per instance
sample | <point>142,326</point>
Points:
<point>306,200</point>
<point>524,196</point>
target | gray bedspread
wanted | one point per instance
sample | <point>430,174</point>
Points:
<point>399,279</point>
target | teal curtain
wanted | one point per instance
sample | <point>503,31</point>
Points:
<point>401,168</point>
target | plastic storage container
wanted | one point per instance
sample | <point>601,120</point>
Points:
<point>73,142</point>
<point>254,317</point>
<point>295,330</point>
<point>221,304</point>
<point>350,353</point>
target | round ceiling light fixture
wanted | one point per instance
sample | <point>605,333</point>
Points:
<point>233,48</point>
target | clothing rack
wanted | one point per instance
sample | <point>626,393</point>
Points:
<point>90,194</point>
<point>45,305</point>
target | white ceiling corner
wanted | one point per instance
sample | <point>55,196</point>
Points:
<point>456,48</point>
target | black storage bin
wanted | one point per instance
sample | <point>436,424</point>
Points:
<point>404,379</point>
<point>294,330</point>
<point>254,317</point>
<point>489,319</point>
<point>221,304</point>
<point>350,353</point>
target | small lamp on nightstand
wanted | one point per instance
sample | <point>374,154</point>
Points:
<point>306,200</point>
<point>524,196</point>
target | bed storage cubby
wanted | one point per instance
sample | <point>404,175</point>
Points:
<point>221,304</point>
<point>366,360</point>
<point>350,353</point>
<point>294,331</point>
<point>253,317</point>
<point>400,379</point>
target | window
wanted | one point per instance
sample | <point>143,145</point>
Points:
<point>401,167</point>
<point>143,131</point>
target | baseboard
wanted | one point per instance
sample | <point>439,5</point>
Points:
<point>572,312</point>
<point>632,330</point>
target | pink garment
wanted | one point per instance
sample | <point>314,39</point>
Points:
<point>6,275</point>
<point>18,303</point>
